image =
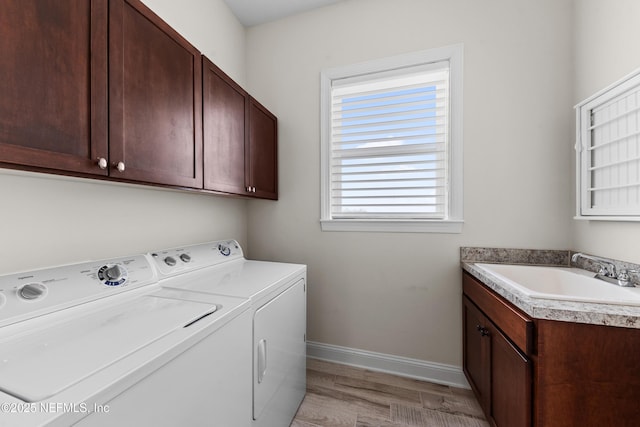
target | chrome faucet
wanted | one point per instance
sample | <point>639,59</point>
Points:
<point>608,270</point>
<point>624,279</point>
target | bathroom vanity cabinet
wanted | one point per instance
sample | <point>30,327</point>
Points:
<point>527,371</point>
<point>497,343</point>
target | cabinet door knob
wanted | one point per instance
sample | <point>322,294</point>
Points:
<point>120,166</point>
<point>102,163</point>
<point>483,331</point>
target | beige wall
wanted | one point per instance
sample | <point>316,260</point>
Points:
<point>526,64</point>
<point>48,220</point>
<point>400,293</point>
<point>606,49</point>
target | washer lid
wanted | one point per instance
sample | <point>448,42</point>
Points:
<point>39,364</point>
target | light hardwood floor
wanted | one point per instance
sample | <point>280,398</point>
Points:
<point>340,395</point>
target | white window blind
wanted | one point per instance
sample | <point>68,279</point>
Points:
<point>608,152</point>
<point>389,144</point>
<point>391,135</point>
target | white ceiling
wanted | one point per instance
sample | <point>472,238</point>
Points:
<point>254,12</point>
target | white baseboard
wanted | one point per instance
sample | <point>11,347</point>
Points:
<point>403,366</point>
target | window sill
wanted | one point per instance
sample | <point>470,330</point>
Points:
<point>608,218</point>
<point>393,226</point>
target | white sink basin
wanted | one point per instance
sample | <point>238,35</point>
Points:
<point>568,284</point>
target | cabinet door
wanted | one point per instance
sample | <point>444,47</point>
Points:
<point>53,102</point>
<point>155,99</point>
<point>498,373</point>
<point>262,161</point>
<point>511,379</point>
<point>225,108</point>
<point>476,352</point>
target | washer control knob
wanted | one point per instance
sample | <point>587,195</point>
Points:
<point>224,250</point>
<point>185,257</point>
<point>32,291</point>
<point>3,299</point>
<point>113,273</point>
<point>170,261</point>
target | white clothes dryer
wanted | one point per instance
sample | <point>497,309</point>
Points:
<point>277,294</point>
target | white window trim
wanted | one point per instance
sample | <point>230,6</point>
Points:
<point>454,221</point>
<point>583,139</point>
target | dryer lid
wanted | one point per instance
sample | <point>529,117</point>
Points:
<point>240,278</point>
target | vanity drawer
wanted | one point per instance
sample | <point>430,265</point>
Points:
<point>511,321</point>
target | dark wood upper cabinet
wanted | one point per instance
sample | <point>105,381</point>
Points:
<point>225,113</point>
<point>240,138</point>
<point>107,88</point>
<point>262,159</point>
<point>155,99</point>
<point>53,84</point>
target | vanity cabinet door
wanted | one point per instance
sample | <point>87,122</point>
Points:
<point>53,90</point>
<point>511,378</point>
<point>499,374</point>
<point>476,352</point>
<point>155,99</point>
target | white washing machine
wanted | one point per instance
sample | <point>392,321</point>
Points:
<point>100,343</point>
<point>277,294</point>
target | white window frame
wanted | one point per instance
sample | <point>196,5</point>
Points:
<point>453,221</point>
<point>585,139</point>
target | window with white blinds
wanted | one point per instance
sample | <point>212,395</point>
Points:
<point>608,152</point>
<point>387,144</point>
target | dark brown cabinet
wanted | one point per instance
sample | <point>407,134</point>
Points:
<point>262,161</point>
<point>547,373</point>
<point>155,90</point>
<point>510,382</point>
<point>225,112</point>
<point>53,84</point>
<point>240,138</point>
<point>497,371</point>
<point>476,351</point>
<point>107,88</point>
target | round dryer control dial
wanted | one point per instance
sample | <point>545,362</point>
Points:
<point>170,261</point>
<point>112,274</point>
<point>185,258</point>
<point>3,299</point>
<point>32,291</point>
